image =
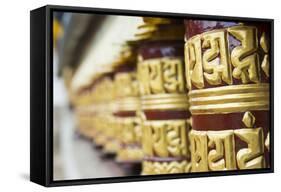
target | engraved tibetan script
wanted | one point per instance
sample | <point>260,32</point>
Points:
<point>165,75</point>
<point>215,150</point>
<point>209,58</point>
<point>165,138</point>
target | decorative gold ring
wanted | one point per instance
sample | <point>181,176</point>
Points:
<point>164,102</point>
<point>128,104</point>
<point>230,99</point>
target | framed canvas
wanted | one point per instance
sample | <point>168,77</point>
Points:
<point>126,95</point>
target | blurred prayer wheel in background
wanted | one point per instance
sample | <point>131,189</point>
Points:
<point>104,119</point>
<point>227,71</point>
<point>164,102</point>
<point>128,104</point>
<point>83,114</point>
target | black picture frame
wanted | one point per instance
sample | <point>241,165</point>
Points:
<point>41,96</point>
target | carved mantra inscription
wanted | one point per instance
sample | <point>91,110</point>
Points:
<point>215,150</point>
<point>161,75</point>
<point>165,138</point>
<point>209,57</point>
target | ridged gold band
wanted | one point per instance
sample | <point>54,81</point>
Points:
<point>230,99</point>
<point>165,102</point>
<point>128,104</point>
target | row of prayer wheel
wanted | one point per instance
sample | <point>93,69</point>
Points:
<point>184,96</point>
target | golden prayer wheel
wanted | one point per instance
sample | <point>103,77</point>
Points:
<point>83,114</point>
<point>103,121</point>
<point>128,104</point>
<point>164,102</point>
<point>227,71</point>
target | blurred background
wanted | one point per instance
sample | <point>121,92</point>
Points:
<point>84,44</point>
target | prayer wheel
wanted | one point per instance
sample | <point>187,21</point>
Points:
<point>82,112</point>
<point>103,122</point>
<point>164,102</point>
<point>128,104</point>
<point>227,74</point>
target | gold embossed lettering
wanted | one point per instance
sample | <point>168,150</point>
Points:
<point>155,76</point>
<point>177,138</point>
<point>159,140</point>
<point>252,156</point>
<point>193,62</point>
<point>245,57</point>
<point>215,59</point>
<point>199,147</point>
<point>173,76</point>
<point>265,48</point>
<point>222,154</point>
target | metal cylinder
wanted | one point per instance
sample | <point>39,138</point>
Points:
<point>227,71</point>
<point>164,102</point>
